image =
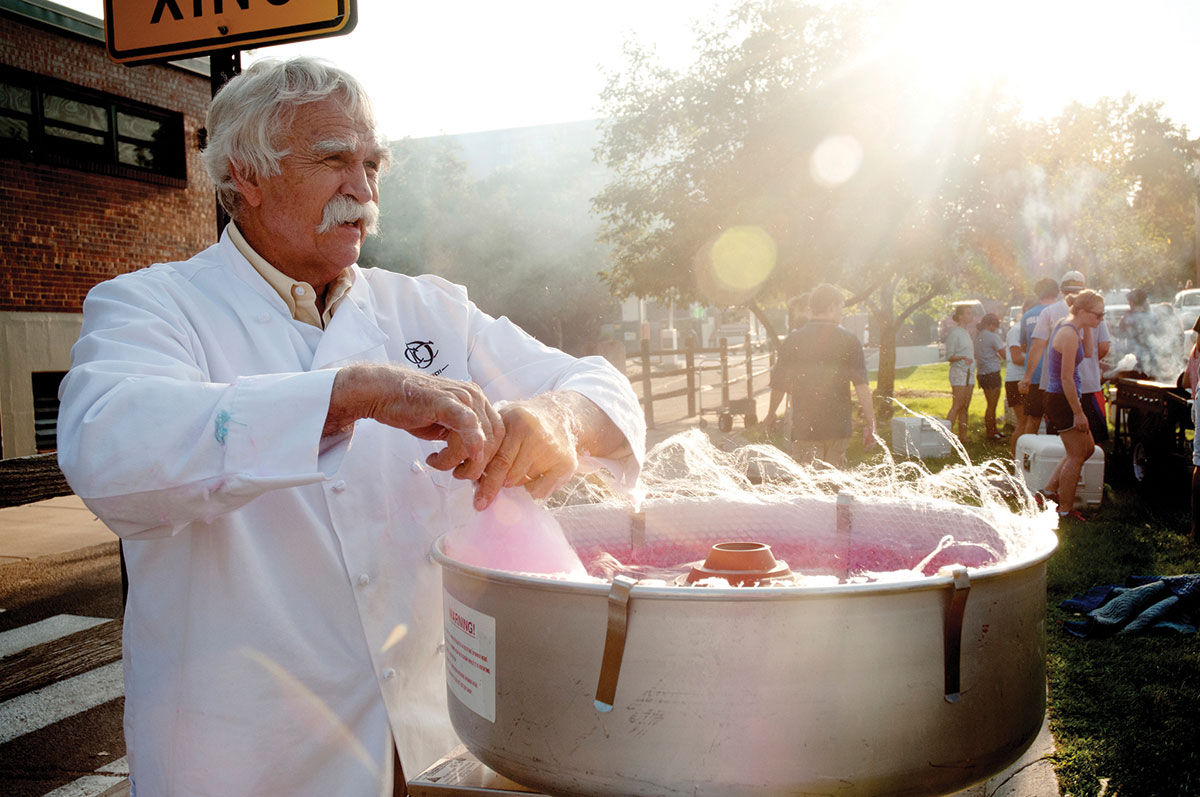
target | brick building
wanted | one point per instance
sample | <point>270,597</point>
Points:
<point>100,174</point>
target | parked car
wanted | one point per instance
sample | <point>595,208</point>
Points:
<point>1187,305</point>
<point>1114,314</point>
<point>1115,296</point>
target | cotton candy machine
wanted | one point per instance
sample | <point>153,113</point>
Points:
<point>896,662</point>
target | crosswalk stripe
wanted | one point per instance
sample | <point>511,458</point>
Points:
<point>106,777</point>
<point>87,786</point>
<point>45,706</point>
<point>60,625</point>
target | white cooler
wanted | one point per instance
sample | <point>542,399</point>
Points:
<point>1038,456</point>
<point>918,437</point>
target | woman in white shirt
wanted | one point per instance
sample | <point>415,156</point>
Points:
<point>960,353</point>
<point>989,356</point>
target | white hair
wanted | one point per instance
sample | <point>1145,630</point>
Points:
<point>249,120</point>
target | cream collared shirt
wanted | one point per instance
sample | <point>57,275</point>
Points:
<point>300,297</point>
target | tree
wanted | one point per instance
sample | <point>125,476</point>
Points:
<point>796,148</point>
<point>520,238</point>
<point>1104,188</point>
<point>791,137</point>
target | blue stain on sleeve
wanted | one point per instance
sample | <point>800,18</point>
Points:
<point>221,426</point>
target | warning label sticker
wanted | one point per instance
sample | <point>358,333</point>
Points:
<point>471,656</point>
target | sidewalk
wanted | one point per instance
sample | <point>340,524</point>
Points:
<point>56,525</point>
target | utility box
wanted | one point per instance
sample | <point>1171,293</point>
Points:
<point>921,437</point>
<point>1038,456</point>
<point>668,340</point>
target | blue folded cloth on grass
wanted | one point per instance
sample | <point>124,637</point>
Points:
<point>1143,604</point>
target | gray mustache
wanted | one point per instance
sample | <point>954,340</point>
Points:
<point>344,210</point>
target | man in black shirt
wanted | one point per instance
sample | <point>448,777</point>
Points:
<point>817,364</point>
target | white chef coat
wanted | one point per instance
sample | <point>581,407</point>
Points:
<point>280,584</point>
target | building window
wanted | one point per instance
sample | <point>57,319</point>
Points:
<point>45,409</point>
<point>53,122</point>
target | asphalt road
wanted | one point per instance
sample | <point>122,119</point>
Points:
<point>60,688</point>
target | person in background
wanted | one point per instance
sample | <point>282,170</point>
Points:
<point>1064,409</point>
<point>960,353</point>
<point>279,436</point>
<point>1046,290</point>
<point>1096,343</point>
<point>1191,380</point>
<point>989,357</point>
<point>1170,345</point>
<point>1014,372</point>
<point>817,364</point>
<point>798,311</point>
<point>1137,329</point>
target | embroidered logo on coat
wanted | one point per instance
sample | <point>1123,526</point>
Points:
<point>420,353</point>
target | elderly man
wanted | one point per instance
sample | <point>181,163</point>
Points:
<point>279,436</point>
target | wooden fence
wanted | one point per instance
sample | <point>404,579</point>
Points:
<point>652,372</point>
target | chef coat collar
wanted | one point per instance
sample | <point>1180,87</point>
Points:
<point>300,297</point>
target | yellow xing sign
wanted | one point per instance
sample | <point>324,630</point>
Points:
<point>157,30</point>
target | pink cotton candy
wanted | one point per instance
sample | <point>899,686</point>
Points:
<point>514,533</point>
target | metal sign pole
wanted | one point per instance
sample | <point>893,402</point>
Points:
<point>223,65</point>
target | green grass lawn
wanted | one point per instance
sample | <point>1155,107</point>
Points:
<point>1123,710</point>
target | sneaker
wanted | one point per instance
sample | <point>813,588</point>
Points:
<point>1043,497</point>
<point>1074,515</point>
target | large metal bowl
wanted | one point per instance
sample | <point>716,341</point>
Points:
<point>924,685</point>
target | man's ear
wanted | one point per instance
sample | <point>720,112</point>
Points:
<point>246,183</point>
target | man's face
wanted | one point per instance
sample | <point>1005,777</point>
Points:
<point>332,157</point>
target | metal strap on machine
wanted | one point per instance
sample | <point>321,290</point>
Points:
<point>953,632</point>
<point>637,531</point>
<point>614,642</point>
<point>845,502</point>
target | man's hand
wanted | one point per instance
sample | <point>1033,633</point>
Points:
<point>428,407</point>
<point>539,450</point>
<point>868,438</point>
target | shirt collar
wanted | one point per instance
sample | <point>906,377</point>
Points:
<point>300,297</point>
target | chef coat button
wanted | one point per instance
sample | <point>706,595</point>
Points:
<point>299,290</point>
<point>415,467</point>
<point>389,674</point>
<point>264,318</point>
<point>363,579</point>
<point>339,486</point>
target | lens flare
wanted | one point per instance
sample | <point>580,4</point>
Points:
<point>309,710</point>
<point>835,160</point>
<point>398,633</point>
<point>736,265</point>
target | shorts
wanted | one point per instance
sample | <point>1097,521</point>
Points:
<point>832,451</point>
<point>1059,415</point>
<point>1012,394</point>
<point>1035,402</point>
<point>990,381</point>
<point>1096,420</point>
<point>960,377</point>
